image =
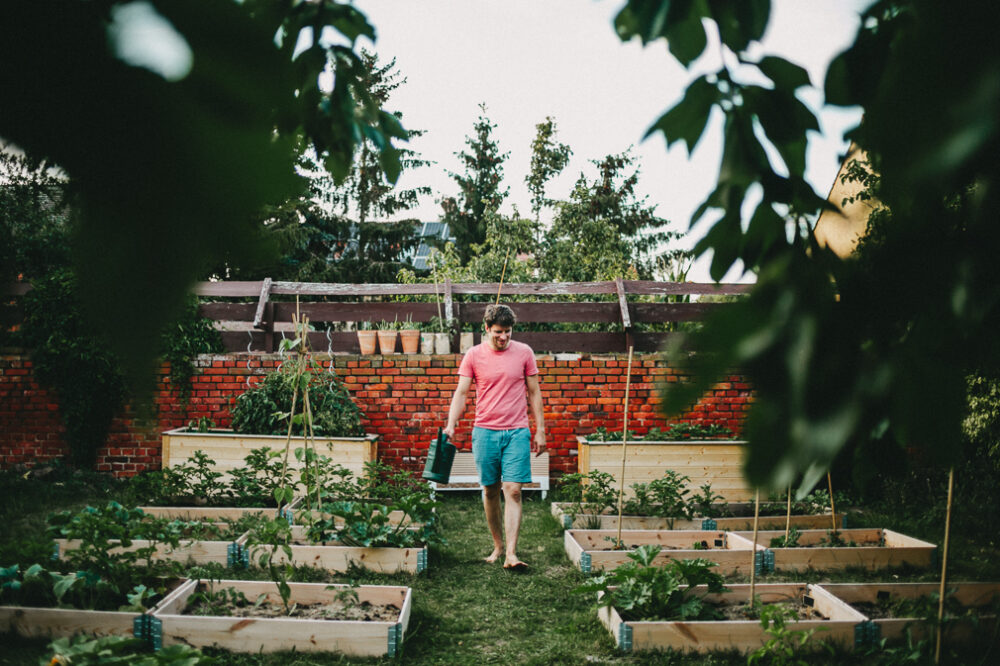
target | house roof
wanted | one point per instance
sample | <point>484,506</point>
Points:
<point>430,232</point>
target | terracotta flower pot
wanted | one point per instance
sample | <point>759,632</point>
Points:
<point>366,340</point>
<point>410,339</point>
<point>387,342</point>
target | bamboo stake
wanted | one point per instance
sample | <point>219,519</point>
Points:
<point>502,273</point>
<point>833,507</point>
<point>621,478</point>
<point>788,515</point>
<point>944,564</point>
<point>753,557</point>
<point>291,422</point>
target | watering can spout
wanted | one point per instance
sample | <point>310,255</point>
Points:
<point>440,456</point>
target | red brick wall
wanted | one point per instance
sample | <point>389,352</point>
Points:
<point>404,398</point>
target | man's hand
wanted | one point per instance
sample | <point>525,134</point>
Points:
<point>539,446</point>
<point>450,432</point>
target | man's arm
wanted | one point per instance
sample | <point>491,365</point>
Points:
<point>535,401</point>
<point>457,406</point>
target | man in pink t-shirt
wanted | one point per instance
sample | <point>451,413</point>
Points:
<point>506,379</point>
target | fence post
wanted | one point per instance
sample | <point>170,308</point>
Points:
<point>449,314</point>
<point>623,305</point>
<point>264,315</point>
<point>268,325</point>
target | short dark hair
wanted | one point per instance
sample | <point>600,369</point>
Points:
<point>501,315</point>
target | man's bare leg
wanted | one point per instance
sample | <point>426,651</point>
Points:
<point>512,522</point>
<point>491,503</point>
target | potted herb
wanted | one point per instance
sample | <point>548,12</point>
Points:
<point>387,337</point>
<point>409,336</point>
<point>366,339</point>
<point>442,339</point>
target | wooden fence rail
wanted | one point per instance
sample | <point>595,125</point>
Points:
<point>257,315</point>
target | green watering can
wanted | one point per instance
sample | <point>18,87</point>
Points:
<point>440,455</point>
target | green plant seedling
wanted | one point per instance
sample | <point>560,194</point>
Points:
<point>791,541</point>
<point>784,646</point>
<point>643,591</point>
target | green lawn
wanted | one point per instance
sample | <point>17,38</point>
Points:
<point>465,611</point>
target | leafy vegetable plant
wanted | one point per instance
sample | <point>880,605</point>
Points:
<point>791,541</point>
<point>665,497</point>
<point>105,548</point>
<point>589,493</point>
<point>641,590</point>
<point>119,651</point>
<point>706,503</point>
<point>676,432</point>
<point>267,408</point>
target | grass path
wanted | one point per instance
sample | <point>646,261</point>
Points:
<point>467,611</point>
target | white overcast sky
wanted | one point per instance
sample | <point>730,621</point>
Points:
<point>528,59</point>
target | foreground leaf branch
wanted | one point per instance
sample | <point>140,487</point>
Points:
<point>844,351</point>
<point>192,155</point>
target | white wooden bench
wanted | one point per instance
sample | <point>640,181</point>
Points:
<point>465,476</point>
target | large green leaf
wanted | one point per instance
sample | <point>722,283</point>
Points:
<point>686,121</point>
<point>785,75</point>
<point>740,21</point>
<point>679,21</point>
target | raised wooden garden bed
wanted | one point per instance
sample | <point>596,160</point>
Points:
<point>194,551</point>
<point>563,512</point>
<point>37,622</point>
<point>718,462</point>
<point>229,450</point>
<point>875,601</point>
<point>335,556</point>
<point>875,548</point>
<point>592,550</point>
<point>273,634</point>
<point>835,619</point>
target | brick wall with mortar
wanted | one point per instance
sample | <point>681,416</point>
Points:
<point>404,398</point>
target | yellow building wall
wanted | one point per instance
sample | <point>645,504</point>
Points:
<point>840,229</point>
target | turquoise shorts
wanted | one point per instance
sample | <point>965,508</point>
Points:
<point>502,455</point>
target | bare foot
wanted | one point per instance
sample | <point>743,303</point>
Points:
<point>514,564</point>
<point>494,556</point>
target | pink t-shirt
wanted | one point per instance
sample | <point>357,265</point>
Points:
<point>501,391</point>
